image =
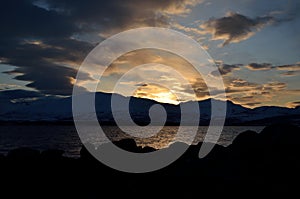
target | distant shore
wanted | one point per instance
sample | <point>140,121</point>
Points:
<point>71,122</point>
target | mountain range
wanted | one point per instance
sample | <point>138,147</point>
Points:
<point>21,105</point>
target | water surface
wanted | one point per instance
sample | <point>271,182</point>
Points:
<point>65,137</point>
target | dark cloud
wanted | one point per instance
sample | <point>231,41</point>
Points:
<point>38,42</point>
<point>49,78</point>
<point>19,52</point>
<point>42,64</point>
<point>141,84</point>
<point>45,18</point>
<point>234,27</point>
<point>39,36</point>
<point>289,73</point>
<point>289,67</point>
<point>240,83</point>
<point>257,66</point>
<point>200,88</point>
<point>225,69</point>
<point>119,14</point>
<point>22,19</point>
<point>17,94</point>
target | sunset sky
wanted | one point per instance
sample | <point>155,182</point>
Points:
<point>255,44</point>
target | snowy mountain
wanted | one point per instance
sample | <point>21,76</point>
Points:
<point>19,105</point>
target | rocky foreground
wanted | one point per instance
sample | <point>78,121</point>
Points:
<point>267,162</point>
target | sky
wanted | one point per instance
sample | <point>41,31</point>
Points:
<point>254,43</point>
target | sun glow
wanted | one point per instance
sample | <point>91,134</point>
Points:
<point>163,97</point>
<point>157,93</point>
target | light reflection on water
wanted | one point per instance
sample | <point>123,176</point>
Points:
<point>65,137</point>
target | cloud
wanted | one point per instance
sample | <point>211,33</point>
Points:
<point>252,104</point>
<point>289,70</point>
<point>155,56</point>
<point>116,15</point>
<point>293,104</point>
<point>18,94</point>
<point>248,101</point>
<point>234,27</point>
<point>48,39</point>
<point>257,66</point>
<point>141,84</point>
<point>225,69</point>
<point>289,74</point>
<point>192,30</point>
<point>240,83</point>
<point>39,43</point>
<point>274,86</point>
<point>289,67</point>
<point>193,88</point>
<point>49,79</point>
<point>49,65</point>
<point>9,86</point>
<point>241,91</point>
<point>201,90</point>
<point>23,19</point>
<point>237,86</point>
<point>251,94</point>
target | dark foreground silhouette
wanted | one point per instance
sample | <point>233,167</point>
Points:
<point>268,162</point>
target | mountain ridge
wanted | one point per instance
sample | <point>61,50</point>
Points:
<point>19,105</point>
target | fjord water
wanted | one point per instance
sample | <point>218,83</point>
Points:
<point>65,137</point>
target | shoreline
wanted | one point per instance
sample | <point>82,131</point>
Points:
<point>253,162</point>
